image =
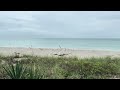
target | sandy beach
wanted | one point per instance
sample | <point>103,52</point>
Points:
<point>57,52</point>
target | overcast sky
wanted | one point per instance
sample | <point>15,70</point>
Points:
<point>60,24</point>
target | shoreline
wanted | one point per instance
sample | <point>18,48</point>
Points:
<point>83,49</point>
<point>58,51</point>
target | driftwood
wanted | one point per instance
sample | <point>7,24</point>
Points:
<point>61,54</point>
<point>55,54</point>
<point>17,55</point>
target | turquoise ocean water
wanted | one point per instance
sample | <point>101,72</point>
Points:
<point>74,43</point>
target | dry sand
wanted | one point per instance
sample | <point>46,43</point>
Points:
<point>51,52</point>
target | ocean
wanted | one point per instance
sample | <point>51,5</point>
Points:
<point>72,43</point>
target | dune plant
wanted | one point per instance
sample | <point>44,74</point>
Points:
<point>15,71</point>
<point>33,73</point>
<point>18,71</point>
<point>61,68</point>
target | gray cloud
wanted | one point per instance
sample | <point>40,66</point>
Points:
<point>64,24</point>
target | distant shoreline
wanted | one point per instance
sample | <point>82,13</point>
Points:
<point>108,50</point>
<point>104,44</point>
<point>58,51</point>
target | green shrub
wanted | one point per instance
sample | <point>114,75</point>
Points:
<point>15,71</point>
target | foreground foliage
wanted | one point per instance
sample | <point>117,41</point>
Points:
<point>33,67</point>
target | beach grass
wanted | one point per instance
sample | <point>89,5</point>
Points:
<point>36,67</point>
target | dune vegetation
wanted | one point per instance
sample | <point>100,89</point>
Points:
<point>36,67</point>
